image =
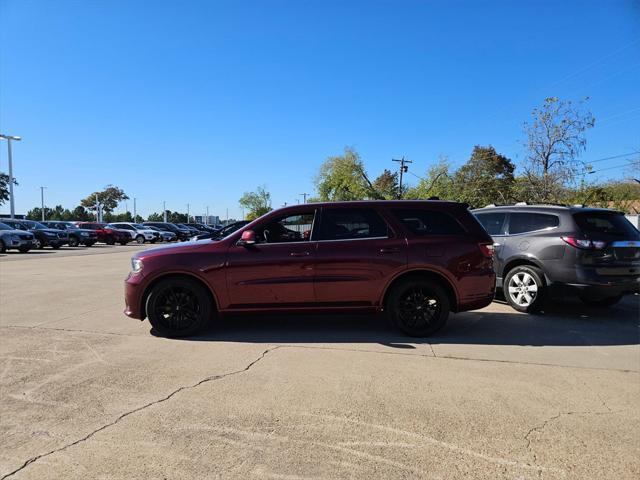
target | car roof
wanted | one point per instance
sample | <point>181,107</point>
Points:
<point>552,208</point>
<point>377,203</point>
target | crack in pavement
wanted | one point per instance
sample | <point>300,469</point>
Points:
<point>138,409</point>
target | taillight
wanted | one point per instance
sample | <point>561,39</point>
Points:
<point>486,249</point>
<point>584,243</point>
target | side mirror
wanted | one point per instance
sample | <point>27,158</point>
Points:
<point>248,238</point>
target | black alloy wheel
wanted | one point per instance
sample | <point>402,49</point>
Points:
<point>419,308</point>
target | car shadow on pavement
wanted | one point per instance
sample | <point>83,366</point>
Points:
<point>570,324</point>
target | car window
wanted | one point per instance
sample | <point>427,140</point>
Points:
<point>493,223</point>
<point>610,223</point>
<point>426,222</point>
<point>523,222</point>
<point>345,224</point>
<point>290,228</point>
<point>5,227</point>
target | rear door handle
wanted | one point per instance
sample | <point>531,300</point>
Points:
<point>299,254</point>
<point>389,250</point>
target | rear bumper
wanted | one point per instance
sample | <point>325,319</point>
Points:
<point>607,289</point>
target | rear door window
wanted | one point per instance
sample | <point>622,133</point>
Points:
<point>352,224</point>
<point>524,222</point>
<point>493,223</point>
<point>426,222</point>
<point>610,223</point>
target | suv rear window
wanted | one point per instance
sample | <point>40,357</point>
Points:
<point>342,224</point>
<point>523,222</point>
<point>428,222</point>
<point>493,223</point>
<point>611,223</point>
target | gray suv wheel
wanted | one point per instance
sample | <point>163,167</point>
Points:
<point>524,288</point>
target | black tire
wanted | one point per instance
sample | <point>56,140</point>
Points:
<point>165,300</point>
<point>24,249</point>
<point>140,239</point>
<point>89,244</point>
<point>3,248</point>
<point>37,243</point>
<point>418,308</point>
<point>601,302</point>
<point>110,241</point>
<point>524,289</point>
<point>74,241</point>
<point>56,246</point>
<point>123,243</point>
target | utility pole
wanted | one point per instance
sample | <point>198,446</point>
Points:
<point>8,138</point>
<point>206,221</point>
<point>227,216</point>
<point>403,169</point>
<point>97,209</point>
<point>164,211</point>
<point>42,201</point>
<point>135,213</point>
<point>304,196</point>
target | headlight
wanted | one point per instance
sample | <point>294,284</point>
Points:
<point>136,265</point>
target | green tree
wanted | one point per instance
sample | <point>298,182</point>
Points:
<point>256,203</point>
<point>4,187</point>
<point>108,198</point>
<point>36,214</point>
<point>80,213</point>
<point>387,186</point>
<point>555,137</point>
<point>155,217</point>
<point>486,178</point>
<point>438,182</point>
<point>343,177</point>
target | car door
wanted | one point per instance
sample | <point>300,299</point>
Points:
<point>495,223</point>
<point>278,270</point>
<point>357,253</point>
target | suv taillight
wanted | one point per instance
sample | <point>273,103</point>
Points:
<point>584,243</point>
<point>486,249</point>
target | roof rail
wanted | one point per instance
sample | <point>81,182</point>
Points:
<point>520,204</point>
<point>490,205</point>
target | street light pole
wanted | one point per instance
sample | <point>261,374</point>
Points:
<point>134,209</point>
<point>164,211</point>
<point>42,201</point>
<point>188,213</point>
<point>8,138</point>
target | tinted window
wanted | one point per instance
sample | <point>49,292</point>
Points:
<point>5,227</point>
<point>493,223</point>
<point>291,228</point>
<point>530,222</point>
<point>425,222</point>
<point>605,222</point>
<point>342,224</point>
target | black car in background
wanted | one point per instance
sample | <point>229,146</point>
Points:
<point>183,234</point>
<point>44,236</point>
<point>202,227</point>
<point>77,236</point>
<point>193,231</point>
<point>542,251</point>
<point>223,232</point>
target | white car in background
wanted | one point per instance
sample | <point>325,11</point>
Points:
<point>139,233</point>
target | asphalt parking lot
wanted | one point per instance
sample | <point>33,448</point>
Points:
<point>89,393</point>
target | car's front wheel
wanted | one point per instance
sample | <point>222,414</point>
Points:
<point>110,241</point>
<point>37,243</point>
<point>74,242</point>
<point>601,302</point>
<point>3,247</point>
<point>140,239</point>
<point>417,307</point>
<point>178,307</point>
<point>524,288</point>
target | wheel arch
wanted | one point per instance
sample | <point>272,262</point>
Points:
<point>526,261</point>
<point>165,276</point>
<point>423,274</point>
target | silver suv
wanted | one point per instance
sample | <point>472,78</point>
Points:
<point>541,251</point>
<point>11,238</point>
<point>140,233</point>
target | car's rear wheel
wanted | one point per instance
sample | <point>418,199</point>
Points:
<point>37,243</point>
<point>123,243</point>
<point>3,247</point>
<point>24,249</point>
<point>140,239</point>
<point>601,302</point>
<point>418,307</point>
<point>524,288</point>
<point>110,242</point>
<point>178,307</point>
<point>56,246</point>
<point>73,242</point>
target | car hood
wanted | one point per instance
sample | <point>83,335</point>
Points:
<point>49,230</point>
<point>171,249</point>
<point>15,231</point>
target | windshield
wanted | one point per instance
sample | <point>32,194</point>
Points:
<point>36,225</point>
<point>610,223</point>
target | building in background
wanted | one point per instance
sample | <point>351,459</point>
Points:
<point>210,220</point>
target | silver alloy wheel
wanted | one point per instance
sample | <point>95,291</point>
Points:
<point>523,289</point>
<point>37,243</point>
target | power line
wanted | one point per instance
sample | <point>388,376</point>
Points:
<point>608,168</point>
<point>611,158</point>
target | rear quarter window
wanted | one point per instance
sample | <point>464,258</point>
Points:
<point>428,222</point>
<point>524,222</point>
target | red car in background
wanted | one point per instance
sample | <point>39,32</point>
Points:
<point>415,260</point>
<point>106,234</point>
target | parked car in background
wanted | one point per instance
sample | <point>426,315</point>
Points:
<point>182,233</point>
<point>12,238</point>
<point>140,233</point>
<point>414,260</point>
<point>223,232</point>
<point>193,231</point>
<point>106,234</point>
<point>165,235</point>
<point>77,236</point>
<point>43,236</point>
<point>202,227</point>
<point>545,250</point>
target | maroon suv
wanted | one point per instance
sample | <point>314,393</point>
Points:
<point>106,234</point>
<point>416,260</point>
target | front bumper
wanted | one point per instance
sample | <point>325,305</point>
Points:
<point>133,291</point>
<point>18,243</point>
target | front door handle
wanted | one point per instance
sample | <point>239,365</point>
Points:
<point>389,250</point>
<point>299,254</point>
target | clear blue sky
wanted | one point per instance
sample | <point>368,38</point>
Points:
<point>199,101</point>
